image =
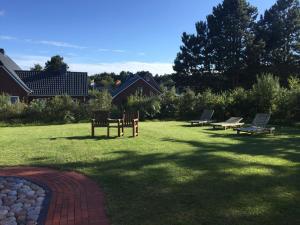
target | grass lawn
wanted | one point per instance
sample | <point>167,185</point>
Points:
<point>173,174</point>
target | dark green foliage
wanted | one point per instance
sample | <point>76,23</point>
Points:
<point>169,107</point>
<point>193,56</point>
<point>280,29</point>
<point>231,31</point>
<point>61,109</point>
<point>36,110</point>
<point>56,64</point>
<point>266,92</point>
<point>266,95</point>
<point>187,103</point>
<point>100,101</point>
<point>105,80</point>
<point>36,67</point>
<point>149,107</point>
<point>234,47</point>
<point>10,112</point>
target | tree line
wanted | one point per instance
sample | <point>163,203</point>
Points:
<point>234,44</point>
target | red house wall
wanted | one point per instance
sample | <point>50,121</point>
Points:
<point>9,86</point>
<point>147,90</point>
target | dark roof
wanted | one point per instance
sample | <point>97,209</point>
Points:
<point>10,66</point>
<point>8,62</point>
<point>49,84</point>
<point>130,81</point>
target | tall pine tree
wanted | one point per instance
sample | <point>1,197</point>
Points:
<point>193,56</point>
<point>279,27</point>
<point>231,33</point>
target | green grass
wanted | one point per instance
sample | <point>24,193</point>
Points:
<point>173,174</point>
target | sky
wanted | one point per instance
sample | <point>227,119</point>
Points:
<point>102,35</point>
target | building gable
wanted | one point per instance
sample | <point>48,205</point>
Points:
<point>9,85</point>
<point>138,85</point>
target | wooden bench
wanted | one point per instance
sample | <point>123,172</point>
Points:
<point>131,119</point>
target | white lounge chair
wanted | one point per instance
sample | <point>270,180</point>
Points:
<point>232,122</point>
<point>258,125</point>
<point>205,118</point>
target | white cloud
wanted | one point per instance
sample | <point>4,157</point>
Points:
<point>111,50</point>
<point>60,44</point>
<point>2,12</point>
<point>27,61</point>
<point>117,67</point>
<point>103,50</point>
<point>5,37</point>
<point>118,51</point>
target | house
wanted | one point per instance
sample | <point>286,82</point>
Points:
<point>135,84</point>
<point>28,85</point>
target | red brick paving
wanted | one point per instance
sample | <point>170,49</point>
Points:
<point>75,200</point>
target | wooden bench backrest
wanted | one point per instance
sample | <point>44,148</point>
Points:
<point>100,118</point>
<point>128,117</point>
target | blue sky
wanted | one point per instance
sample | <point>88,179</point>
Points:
<point>97,35</point>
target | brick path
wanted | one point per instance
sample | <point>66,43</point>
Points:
<point>75,200</point>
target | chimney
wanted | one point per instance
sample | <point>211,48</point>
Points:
<point>2,51</point>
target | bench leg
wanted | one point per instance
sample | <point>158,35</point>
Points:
<point>135,130</point>
<point>108,127</point>
<point>119,130</point>
<point>93,131</point>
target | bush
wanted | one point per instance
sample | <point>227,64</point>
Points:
<point>149,107</point>
<point>187,103</point>
<point>240,102</point>
<point>266,92</point>
<point>265,96</point>
<point>100,101</point>
<point>288,102</point>
<point>61,109</point>
<point>36,110</point>
<point>169,107</point>
<point>9,111</point>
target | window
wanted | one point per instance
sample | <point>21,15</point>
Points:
<point>140,90</point>
<point>14,99</point>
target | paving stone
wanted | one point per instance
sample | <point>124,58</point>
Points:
<point>20,201</point>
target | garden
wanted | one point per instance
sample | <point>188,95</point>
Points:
<point>172,173</point>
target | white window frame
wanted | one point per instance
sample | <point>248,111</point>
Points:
<point>17,99</point>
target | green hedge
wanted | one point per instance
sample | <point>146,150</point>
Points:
<point>265,96</point>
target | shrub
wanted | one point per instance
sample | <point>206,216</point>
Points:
<point>61,109</point>
<point>187,102</point>
<point>36,110</point>
<point>100,101</point>
<point>169,104</point>
<point>149,107</point>
<point>265,96</point>
<point>9,111</point>
<point>240,103</point>
<point>288,109</point>
<point>210,100</point>
<point>266,92</point>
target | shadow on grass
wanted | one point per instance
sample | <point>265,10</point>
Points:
<point>86,137</point>
<point>256,180</point>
